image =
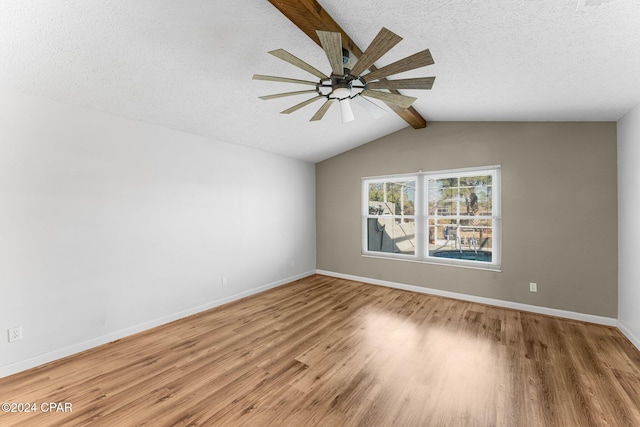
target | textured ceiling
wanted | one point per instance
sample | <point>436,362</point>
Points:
<point>187,65</point>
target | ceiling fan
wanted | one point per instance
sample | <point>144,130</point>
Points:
<point>356,83</point>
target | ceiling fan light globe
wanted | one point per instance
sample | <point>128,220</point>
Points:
<point>342,93</point>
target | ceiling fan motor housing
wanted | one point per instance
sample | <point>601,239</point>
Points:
<point>339,87</point>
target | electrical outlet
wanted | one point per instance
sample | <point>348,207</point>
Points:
<point>533,287</point>
<point>15,334</point>
<point>224,281</point>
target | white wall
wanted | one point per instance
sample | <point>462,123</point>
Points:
<point>110,226</point>
<point>629,225</point>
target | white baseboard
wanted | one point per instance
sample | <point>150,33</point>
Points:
<point>41,359</point>
<point>608,321</point>
<point>627,333</point>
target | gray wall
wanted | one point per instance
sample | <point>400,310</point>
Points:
<point>629,222</point>
<point>559,210</point>
<point>109,226</point>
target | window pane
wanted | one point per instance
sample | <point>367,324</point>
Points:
<point>401,195</point>
<point>476,234</point>
<point>376,192</point>
<point>376,200</point>
<point>392,198</point>
<point>475,192</point>
<point>463,254</point>
<point>391,235</point>
<point>443,196</point>
<point>408,198</point>
<point>405,236</point>
<point>471,241</point>
<point>475,223</point>
<point>485,206</point>
<point>442,233</point>
<point>475,181</point>
<point>381,208</point>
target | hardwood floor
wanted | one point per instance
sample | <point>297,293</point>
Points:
<point>331,352</point>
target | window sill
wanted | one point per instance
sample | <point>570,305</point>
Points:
<point>448,263</point>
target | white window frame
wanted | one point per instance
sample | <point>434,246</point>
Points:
<point>422,217</point>
<point>366,215</point>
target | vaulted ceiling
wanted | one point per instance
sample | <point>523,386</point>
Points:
<point>187,65</point>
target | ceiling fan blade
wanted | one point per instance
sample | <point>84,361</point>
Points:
<point>370,107</point>
<point>417,60</point>
<point>332,45</point>
<point>294,60</point>
<point>302,104</point>
<point>345,111</point>
<point>283,79</point>
<point>380,45</point>
<point>322,111</point>
<point>282,95</point>
<point>417,83</point>
<point>391,98</point>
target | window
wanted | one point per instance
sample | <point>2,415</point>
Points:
<point>446,217</point>
<point>391,223</point>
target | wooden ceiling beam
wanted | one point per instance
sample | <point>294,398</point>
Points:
<point>309,16</point>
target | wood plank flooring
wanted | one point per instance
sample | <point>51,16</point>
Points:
<point>329,352</point>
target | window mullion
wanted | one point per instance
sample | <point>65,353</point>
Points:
<point>420,209</point>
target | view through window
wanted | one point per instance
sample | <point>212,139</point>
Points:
<point>449,217</point>
<point>391,224</point>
